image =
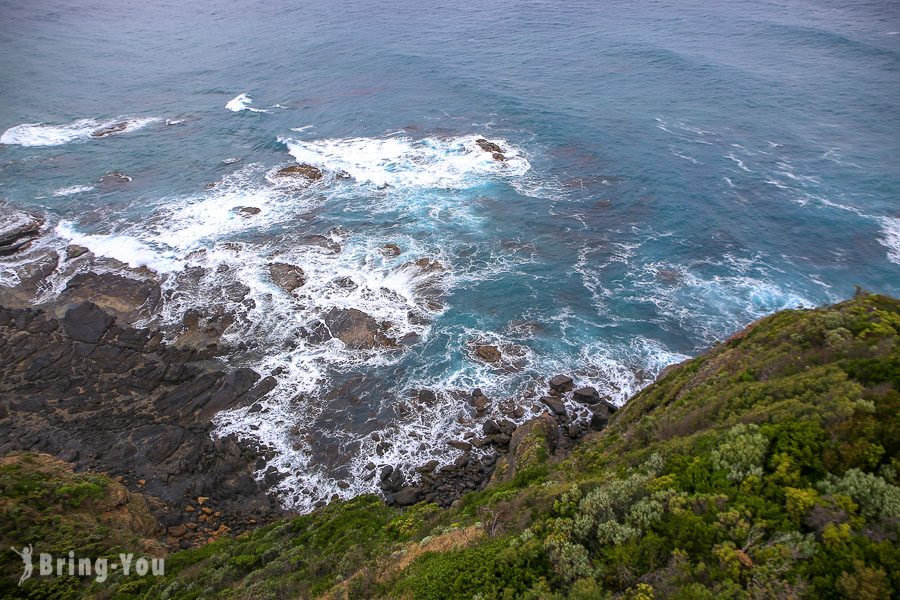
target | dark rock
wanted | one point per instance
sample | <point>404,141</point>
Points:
<point>489,354</point>
<point>555,404</point>
<point>407,496</point>
<point>428,467</point>
<point>586,395</point>
<point>490,427</point>
<point>73,251</point>
<point>488,146</point>
<point>246,211</point>
<point>427,265</point>
<point>561,383</point>
<point>287,277</point>
<point>86,322</point>
<point>391,250</point>
<point>111,129</point>
<point>117,399</point>
<point>427,397</point>
<point>17,229</point>
<point>460,445</point>
<point>125,298</point>
<point>498,157</point>
<point>302,170</point>
<point>598,421</point>
<point>353,327</point>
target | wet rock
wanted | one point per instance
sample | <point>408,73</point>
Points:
<point>391,250</point>
<point>428,467</point>
<point>111,129</point>
<point>460,445</point>
<point>561,383</point>
<point>286,276</point>
<point>355,328</point>
<point>246,211</point>
<point>17,229</point>
<point>322,242</point>
<point>586,395</point>
<point>302,170</point>
<point>73,251</point>
<point>599,420</point>
<point>497,156</point>
<point>427,397</point>
<point>427,265</point>
<point>125,298</point>
<point>489,354</point>
<point>488,146</point>
<point>479,402</point>
<point>555,404</point>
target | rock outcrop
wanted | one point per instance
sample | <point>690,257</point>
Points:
<point>304,170</point>
<point>108,397</point>
<point>286,276</point>
<point>17,230</point>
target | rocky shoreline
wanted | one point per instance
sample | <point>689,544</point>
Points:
<point>82,382</point>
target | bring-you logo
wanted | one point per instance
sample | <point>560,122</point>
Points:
<point>98,568</point>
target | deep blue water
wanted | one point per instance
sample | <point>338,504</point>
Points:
<point>675,171</point>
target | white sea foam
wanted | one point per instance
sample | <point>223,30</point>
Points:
<point>125,248</point>
<point>42,134</point>
<point>890,237</point>
<point>242,102</point>
<point>72,190</point>
<point>434,163</point>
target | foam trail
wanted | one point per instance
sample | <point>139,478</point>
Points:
<point>891,238</point>
<point>72,190</point>
<point>42,134</point>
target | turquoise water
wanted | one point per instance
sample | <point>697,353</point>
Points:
<point>674,171</point>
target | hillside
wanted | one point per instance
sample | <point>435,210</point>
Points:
<point>765,468</point>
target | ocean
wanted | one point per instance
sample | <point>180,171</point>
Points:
<point>673,171</point>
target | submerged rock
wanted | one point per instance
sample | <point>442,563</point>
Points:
<point>302,170</point>
<point>111,129</point>
<point>115,178</point>
<point>286,276</point>
<point>391,249</point>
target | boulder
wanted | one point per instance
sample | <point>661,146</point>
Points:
<point>73,251</point>
<point>391,250</point>
<point>561,383</point>
<point>499,157</point>
<point>555,404</point>
<point>489,354</point>
<point>302,170</point>
<point>406,496</point>
<point>586,395</point>
<point>246,211</point>
<point>488,146</point>
<point>427,265</point>
<point>286,276</point>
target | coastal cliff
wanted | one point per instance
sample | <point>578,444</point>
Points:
<point>766,467</point>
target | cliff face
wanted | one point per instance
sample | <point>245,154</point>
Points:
<point>765,468</point>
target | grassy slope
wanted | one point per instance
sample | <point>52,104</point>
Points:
<point>766,468</point>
